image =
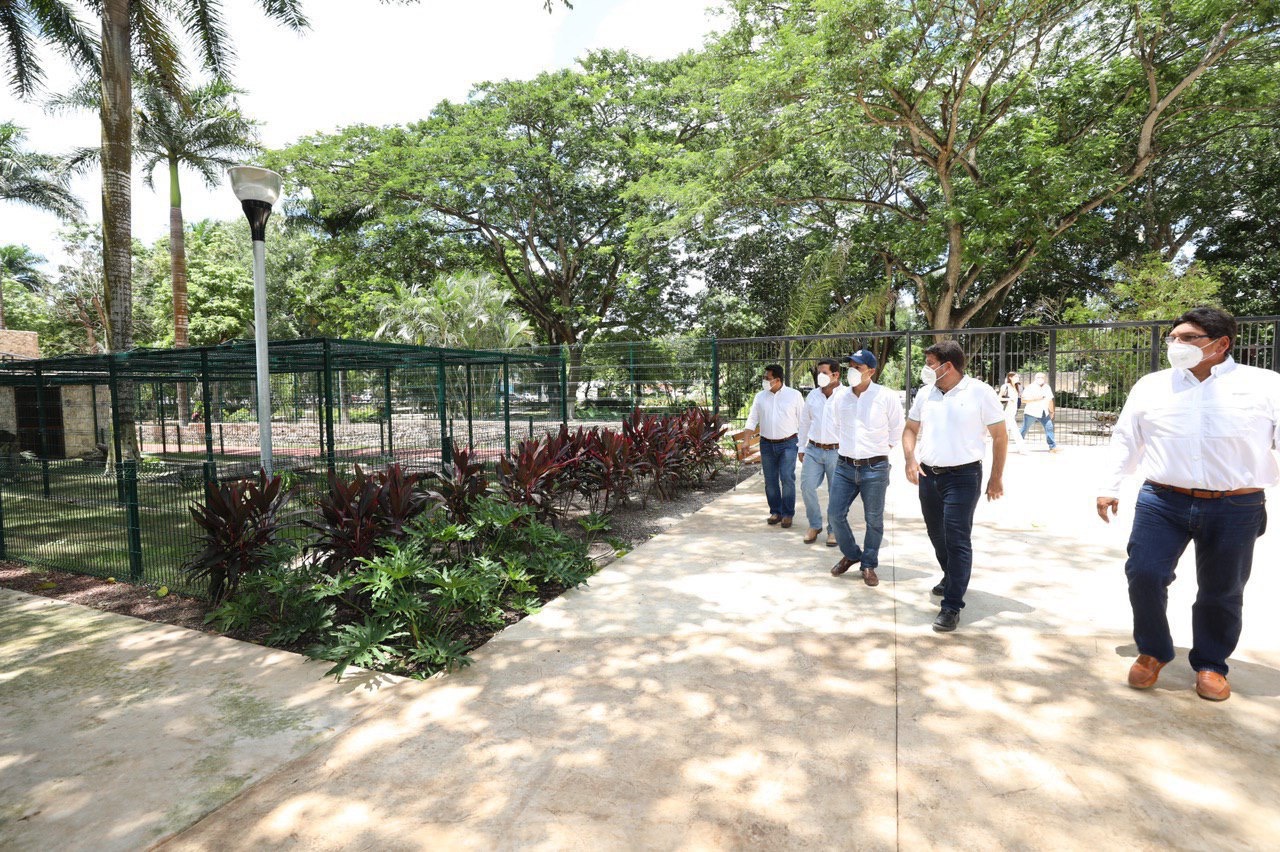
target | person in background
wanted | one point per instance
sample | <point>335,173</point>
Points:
<point>869,423</point>
<point>1202,436</point>
<point>775,417</point>
<point>818,442</point>
<point>1010,394</point>
<point>1039,408</point>
<point>943,443</point>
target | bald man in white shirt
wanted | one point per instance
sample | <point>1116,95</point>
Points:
<point>1202,436</point>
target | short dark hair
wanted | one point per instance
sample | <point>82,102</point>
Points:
<point>776,371</point>
<point>832,364</point>
<point>1216,323</point>
<point>948,352</point>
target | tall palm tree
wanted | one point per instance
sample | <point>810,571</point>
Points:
<point>38,180</point>
<point>20,265</point>
<point>23,23</point>
<point>206,137</point>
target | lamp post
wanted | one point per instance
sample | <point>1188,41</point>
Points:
<point>258,189</point>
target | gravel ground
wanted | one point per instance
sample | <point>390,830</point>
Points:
<point>633,525</point>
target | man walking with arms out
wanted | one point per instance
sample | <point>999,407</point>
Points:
<point>775,417</point>
<point>818,441</point>
<point>869,423</point>
<point>1202,436</point>
<point>1037,398</point>
<point>950,419</point>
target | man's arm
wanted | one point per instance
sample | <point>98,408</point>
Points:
<point>1126,450</point>
<point>753,417</point>
<point>909,435</point>
<point>806,421</point>
<point>896,421</point>
<point>999,449</point>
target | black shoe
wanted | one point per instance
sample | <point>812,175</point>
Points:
<point>940,589</point>
<point>946,621</point>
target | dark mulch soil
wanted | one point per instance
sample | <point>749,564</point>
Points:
<point>632,525</point>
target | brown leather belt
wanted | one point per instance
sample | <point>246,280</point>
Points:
<point>776,440</point>
<point>824,446</point>
<point>1202,493</point>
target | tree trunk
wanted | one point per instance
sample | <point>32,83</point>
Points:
<point>117,219</point>
<point>178,277</point>
<point>2,325</point>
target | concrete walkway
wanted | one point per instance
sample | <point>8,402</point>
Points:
<point>715,689</point>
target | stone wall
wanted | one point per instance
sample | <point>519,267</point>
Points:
<point>23,345</point>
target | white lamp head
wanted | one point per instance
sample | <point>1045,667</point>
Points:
<point>252,183</point>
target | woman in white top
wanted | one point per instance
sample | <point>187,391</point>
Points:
<point>1010,394</point>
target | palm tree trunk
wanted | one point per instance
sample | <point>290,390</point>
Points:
<point>178,266</point>
<point>117,149</point>
<point>2,325</point>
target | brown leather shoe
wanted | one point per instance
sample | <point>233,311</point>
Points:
<point>811,535</point>
<point>1144,671</point>
<point>1212,686</point>
<point>869,577</point>
<point>786,523</point>
<point>843,565</point>
<point>831,540</point>
<point>773,519</point>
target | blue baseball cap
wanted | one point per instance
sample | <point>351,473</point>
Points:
<point>865,358</point>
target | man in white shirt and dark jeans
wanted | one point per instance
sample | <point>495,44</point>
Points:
<point>818,442</point>
<point>1201,435</point>
<point>868,421</point>
<point>951,417</point>
<point>775,417</point>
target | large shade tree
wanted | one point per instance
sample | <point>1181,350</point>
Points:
<point>958,142</point>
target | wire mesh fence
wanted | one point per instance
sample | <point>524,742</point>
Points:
<point>193,416</point>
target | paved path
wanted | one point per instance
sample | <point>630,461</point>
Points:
<point>718,689</point>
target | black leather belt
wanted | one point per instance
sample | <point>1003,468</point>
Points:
<point>934,470</point>
<point>1203,493</point>
<point>863,462</point>
<point>776,440</point>
<point>824,446</point>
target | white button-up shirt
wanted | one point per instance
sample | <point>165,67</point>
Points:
<point>1036,399</point>
<point>1217,434</point>
<point>815,418</point>
<point>953,425</point>
<point>776,414</point>
<point>869,425</point>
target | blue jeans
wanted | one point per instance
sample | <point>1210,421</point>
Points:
<point>779,464</point>
<point>871,482</point>
<point>1045,421</point>
<point>1224,531</point>
<point>818,464</point>
<point>948,501</point>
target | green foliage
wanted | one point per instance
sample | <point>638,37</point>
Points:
<point>240,523</point>
<point>465,310</point>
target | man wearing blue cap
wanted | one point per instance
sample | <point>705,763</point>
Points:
<point>869,423</point>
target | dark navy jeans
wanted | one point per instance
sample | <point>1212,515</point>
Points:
<point>870,482</point>
<point>948,501</point>
<point>1224,531</point>
<point>778,462</point>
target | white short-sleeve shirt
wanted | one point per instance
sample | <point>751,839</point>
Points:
<point>953,425</point>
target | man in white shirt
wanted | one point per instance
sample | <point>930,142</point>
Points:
<point>950,418</point>
<point>1202,436</point>
<point>818,442</point>
<point>1037,398</point>
<point>775,417</point>
<point>868,421</point>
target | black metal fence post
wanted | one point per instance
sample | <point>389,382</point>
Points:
<point>1155,348</point>
<point>133,519</point>
<point>715,378</point>
<point>564,384</point>
<point>906,367</point>
<point>1053,357</point>
<point>4,553</point>
<point>388,410</point>
<point>206,402</point>
<point>44,429</point>
<point>330,460</point>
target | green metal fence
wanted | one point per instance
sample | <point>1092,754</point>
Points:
<point>335,404</point>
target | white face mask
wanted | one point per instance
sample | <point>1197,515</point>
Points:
<point>765,384</point>
<point>1185,355</point>
<point>928,375</point>
<point>823,380</point>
